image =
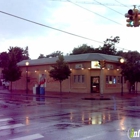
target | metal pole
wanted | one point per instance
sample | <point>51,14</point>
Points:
<point>121,85</point>
<point>26,79</point>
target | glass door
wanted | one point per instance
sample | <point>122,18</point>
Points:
<point>95,84</point>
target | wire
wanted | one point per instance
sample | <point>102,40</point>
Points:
<point>49,27</point>
<point>53,28</point>
<point>122,4</point>
<point>109,8</point>
<point>87,2</point>
<point>93,12</point>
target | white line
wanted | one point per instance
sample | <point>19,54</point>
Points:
<point>5,119</point>
<point>11,126</point>
<point>29,137</point>
<point>85,138</point>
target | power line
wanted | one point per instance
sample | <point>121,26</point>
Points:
<point>93,12</point>
<point>121,3</point>
<point>37,23</point>
<point>109,8</point>
<point>87,2</point>
<point>52,28</point>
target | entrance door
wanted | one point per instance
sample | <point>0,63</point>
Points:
<point>95,84</point>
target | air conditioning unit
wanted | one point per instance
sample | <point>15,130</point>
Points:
<point>78,66</point>
<point>110,66</point>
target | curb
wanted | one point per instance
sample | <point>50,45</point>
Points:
<point>101,98</point>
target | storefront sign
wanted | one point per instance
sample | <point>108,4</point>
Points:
<point>95,65</point>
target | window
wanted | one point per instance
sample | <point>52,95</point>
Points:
<point>107,79</point>
<point>79,78</point>
<point>111,79</point>
<point>119,79</point>
<point>114,80</point>
<point>83,78</point>
<point>75,78</point>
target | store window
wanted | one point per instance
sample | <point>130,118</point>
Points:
<point>79,78</point>
<point>113,79</point>
<point>119,79</point>
<point>75,78</point>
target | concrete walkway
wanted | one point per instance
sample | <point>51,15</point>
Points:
<point>86,96</point>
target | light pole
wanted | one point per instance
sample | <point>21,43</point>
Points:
<point>27,64</point>
<point>122,61</point>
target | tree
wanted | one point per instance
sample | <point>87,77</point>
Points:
<point>109,46</point>
<point>131,68</point>
<point>41,56</point>
<point>60,71</point>
<point>4,59</point>
<point>82,49</point>
<point>20,53</point>
<point>54,54</point>
<point>12,72</point>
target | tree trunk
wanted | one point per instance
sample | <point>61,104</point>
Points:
<point>60,86</point>
<point>136,87</point>
<point>11,86</point>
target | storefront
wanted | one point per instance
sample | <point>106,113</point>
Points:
<point>87,75</point>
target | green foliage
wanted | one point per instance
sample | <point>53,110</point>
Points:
<point>54,54</point>
<point>60,71</point>
<point>107,48</point>
<point>131,68</point>
<point>20,53</point>
<point>41,56</point>
<point>82,49</point>
<point>4,57</point>
<point>11,72</point>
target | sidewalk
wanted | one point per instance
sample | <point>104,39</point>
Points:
<point>85,96</point>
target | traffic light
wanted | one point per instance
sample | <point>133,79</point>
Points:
<point>130,18</point>
<point>133,18</point>
<point>102,64</point>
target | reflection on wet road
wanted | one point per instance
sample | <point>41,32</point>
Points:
<point>30,117</point>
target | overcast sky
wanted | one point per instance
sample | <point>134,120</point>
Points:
<point>68,17</point>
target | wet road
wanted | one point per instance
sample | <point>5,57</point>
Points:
<point>29,118</point>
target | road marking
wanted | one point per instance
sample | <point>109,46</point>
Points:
<point>5,119</point>
<point>85,138</point>
<point>29,137</point>
<point>11,126</point>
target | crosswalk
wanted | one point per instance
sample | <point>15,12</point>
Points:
<point>29,137</point>
<point>17,125</point>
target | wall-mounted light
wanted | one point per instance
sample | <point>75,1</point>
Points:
<point>27,64</point>
<point>122,60</point>
<point>117,69</point>
<point>82,68</point>
<point>45,70</point>
<point>89,68</point>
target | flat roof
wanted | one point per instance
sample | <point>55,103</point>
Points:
<point>72,58</point>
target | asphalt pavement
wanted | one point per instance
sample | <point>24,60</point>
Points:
<point>68,116</point>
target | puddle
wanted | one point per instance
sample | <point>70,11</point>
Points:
<point>12,122</point>
<point>66,126</point>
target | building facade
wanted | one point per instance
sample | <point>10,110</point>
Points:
<point>90,73</point>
